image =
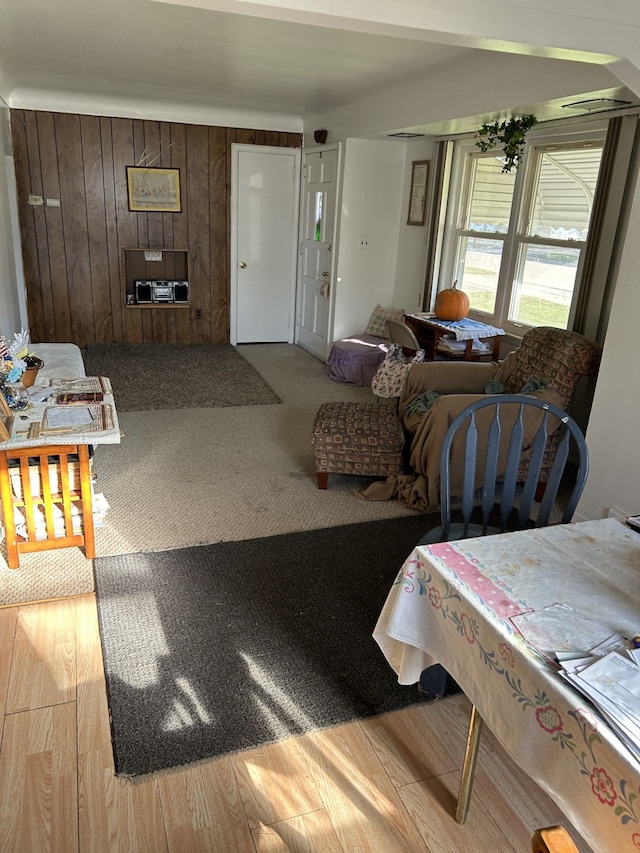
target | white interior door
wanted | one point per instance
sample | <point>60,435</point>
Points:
<point>264,220</point>
<point>317,235</point>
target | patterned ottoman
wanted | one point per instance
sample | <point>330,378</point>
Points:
<point>357,438</point>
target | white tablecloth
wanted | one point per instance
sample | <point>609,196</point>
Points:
<point>60,360</point>
<point>452,603</point>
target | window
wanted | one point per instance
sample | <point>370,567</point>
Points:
<point>516,240</point>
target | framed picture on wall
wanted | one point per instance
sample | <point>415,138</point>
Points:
<point>154,189</point>
<point>418,195</point>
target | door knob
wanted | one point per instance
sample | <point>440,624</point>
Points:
<point>243,265</point>
<point>325,274</point>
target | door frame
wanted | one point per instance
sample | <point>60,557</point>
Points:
<point>295,154</point>
<point>316,149</point>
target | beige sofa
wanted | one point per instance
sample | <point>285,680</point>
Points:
<point>551,360</point>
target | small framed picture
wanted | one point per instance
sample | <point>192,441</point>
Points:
<point>6,419</point>
<point>418,195</point>
<point>154,189</point>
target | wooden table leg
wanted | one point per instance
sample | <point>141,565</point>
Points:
<point>87,502</point>
<point>469,765</point>
<point>496,349</point>
<point>6,496</point>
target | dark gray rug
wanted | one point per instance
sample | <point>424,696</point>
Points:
<point>219,648</point>
<point>177,376</point>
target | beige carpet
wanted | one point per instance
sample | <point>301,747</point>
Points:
<point>192,476</point>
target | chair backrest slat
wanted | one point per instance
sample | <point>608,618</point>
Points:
<point>536,460</point>
<point>469,473</point>
<point>489,484</point>
<point>510,481</point>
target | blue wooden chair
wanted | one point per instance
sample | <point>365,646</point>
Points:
<point>495,455</point>
<point>496,449</point>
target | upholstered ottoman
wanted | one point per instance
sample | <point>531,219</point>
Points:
<point>357,438</point>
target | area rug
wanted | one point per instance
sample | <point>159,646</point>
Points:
<point>177,376</point>
<point>219,648</point>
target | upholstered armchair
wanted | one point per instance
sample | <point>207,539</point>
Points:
<point>547,364</point>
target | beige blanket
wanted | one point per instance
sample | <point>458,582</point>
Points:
<point>421,488</point>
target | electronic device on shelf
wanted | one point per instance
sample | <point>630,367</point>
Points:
<point>161,291</point>
<point>180,291</point>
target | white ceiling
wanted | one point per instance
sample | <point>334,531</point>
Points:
<point>136,50</point>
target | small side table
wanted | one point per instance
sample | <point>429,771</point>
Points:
<point>429,330</point>
<point>47,480</point>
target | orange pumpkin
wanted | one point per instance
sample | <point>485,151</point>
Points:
<point>452,304</point>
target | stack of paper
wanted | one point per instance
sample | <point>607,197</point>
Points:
<point>67,419</point>
<point>609,676</point>
<point>450,344</point>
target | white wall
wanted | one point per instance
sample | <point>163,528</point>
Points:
<point>10,321</point>
<point>409,283</point>
<point>613,434</point>
<point>371,208</point>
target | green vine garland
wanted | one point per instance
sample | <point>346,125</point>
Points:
<point>508,135</point>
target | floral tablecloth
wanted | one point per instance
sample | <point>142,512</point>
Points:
<point>453,603</point>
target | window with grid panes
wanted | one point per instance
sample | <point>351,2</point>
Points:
<point>520,237</point>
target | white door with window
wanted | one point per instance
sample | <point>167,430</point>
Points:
<point>264,223</point>
<point>317,251</point>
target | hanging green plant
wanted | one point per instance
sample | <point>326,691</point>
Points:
<point>509,135</point>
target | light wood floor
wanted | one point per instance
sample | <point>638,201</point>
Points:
<point>384,784</point>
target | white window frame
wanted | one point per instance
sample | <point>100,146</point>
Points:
<point>572,135</point>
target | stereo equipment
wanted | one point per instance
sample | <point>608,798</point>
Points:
<point>143,291</point>
<point>161,291</point>
<point>180,291</point>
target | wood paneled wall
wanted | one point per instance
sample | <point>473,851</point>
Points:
<point>73,254</point>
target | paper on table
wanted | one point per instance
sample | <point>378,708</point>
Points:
<point>67,417</point>
<point>612,683</point>
<point>618,678</point>
<point>560,628</point>
<point>39,393</point>
<point>451,345</point>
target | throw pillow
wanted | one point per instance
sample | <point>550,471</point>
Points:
<point>378,321</point>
